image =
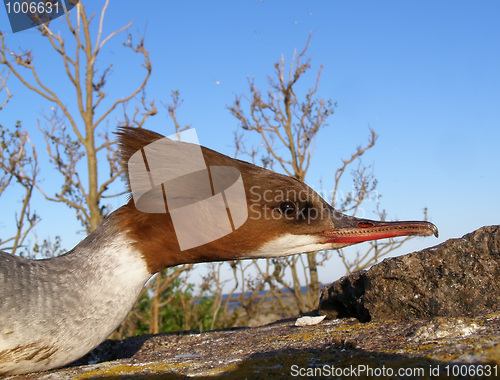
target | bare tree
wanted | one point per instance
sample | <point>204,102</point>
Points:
<point>287,125</point>
<point>18,168</point>
<point>76,135</point>
<point>282,120</point>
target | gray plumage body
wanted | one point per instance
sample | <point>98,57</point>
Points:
<point>54,311</point>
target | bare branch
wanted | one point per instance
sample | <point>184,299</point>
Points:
<point>345,163</point>
<point>22,166</point>
<point>3,87</point>
<point>173,108</point>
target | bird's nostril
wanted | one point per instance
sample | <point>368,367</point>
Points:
<point>365,224</point>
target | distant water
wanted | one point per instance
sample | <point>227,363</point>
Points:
<point>235,296</point>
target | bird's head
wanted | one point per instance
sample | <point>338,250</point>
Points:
<point>232,210</point>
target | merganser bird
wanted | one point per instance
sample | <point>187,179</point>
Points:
<point>53,311</point>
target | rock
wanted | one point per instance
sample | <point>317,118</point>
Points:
<point>410,349</point>
<point>459,277</point>
<point>309,321</point>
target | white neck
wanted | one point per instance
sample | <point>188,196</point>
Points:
<point>70,303</point>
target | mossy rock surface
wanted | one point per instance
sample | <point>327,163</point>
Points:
<point>280,350</point>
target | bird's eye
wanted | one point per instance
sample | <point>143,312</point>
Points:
<point>288,208</point>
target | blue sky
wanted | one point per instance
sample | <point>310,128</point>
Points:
<point>424,75</point>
